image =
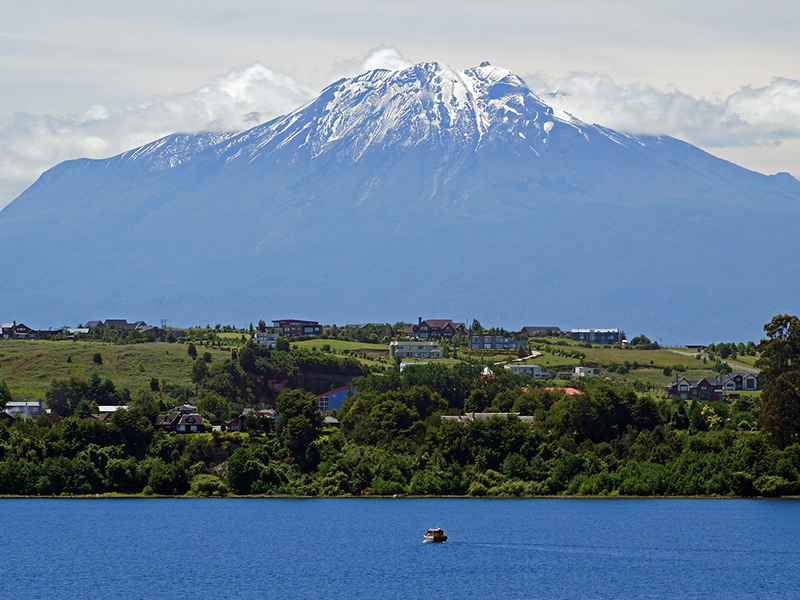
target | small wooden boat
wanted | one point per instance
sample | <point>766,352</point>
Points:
<point>435,536</point>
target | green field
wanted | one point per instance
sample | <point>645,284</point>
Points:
<point>339,345</point>
<point>28,366</point>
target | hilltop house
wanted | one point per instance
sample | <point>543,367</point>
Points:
<point>140,326</point>
<point>294,327</point>
<point>596,336</point>
<point>531,331</point>
<point>263,338</point>
<point>436,329</point>
<point>494,342</point>
<point>17,331</point>
<point>415,349</point>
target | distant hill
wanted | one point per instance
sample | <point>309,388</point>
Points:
<point>398,194</point>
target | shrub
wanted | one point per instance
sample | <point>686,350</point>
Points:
<point>381,487</point>
<point>168,479</point>
<point>97,358</point>
<point>772,486</point>
<point>207,485</point>
<point>477,489</point>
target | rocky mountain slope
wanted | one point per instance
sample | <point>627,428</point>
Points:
<point>396,194</point>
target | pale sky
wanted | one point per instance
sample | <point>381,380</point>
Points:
<point>91,78</point>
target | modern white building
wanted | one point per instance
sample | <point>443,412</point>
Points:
<point>414,349</point>
<point>266,339</point>
<point>111,408</point>
<point>404,365</point>
<point>534,371</point>
<point>29,408</point>
<point>596,336</point>
<point>587,372</point>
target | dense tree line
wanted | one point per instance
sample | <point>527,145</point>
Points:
<point>608,441</point>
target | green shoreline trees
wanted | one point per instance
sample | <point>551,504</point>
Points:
<point>609,440</point>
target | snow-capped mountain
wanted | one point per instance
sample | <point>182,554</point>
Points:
<point>395,194</point>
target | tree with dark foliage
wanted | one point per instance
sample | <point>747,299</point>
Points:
<point>780,377</point>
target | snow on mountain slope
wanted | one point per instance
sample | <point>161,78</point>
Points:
<point>460,188</point>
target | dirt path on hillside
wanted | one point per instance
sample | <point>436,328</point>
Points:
<point>739,366</point>
<point>28,363</point>
<point>113,366</point>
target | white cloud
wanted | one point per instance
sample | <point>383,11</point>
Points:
<point>380,57</point>
<point>749,117</point>
<point>30,144</point>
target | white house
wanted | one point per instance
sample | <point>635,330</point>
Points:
<point>111,408</point>
<point>414,349</point>
<point>534,371</point>
<point>266,339</point>
<point>30,408</point>
<point>587,372</point>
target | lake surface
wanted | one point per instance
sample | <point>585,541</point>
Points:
<point>372,548</point>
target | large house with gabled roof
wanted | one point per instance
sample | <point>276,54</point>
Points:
<point>436,329</point>
<point>17,331</point>
<point>712,388</point>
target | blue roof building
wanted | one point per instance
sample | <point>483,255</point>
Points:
<point>333,399</point>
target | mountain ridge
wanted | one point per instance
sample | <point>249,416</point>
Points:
<point>426,169</point>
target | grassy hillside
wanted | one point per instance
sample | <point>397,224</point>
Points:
<point>28,366</point>
<point>369,354</point>
<point>651,363</point>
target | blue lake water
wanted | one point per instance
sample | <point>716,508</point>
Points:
<point>372,548</point>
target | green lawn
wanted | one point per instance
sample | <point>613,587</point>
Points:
<point>28,366</point>
<point>339,345</point>
<point>438,361</point>
<point>748,361</point>
<point>233,336</point>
